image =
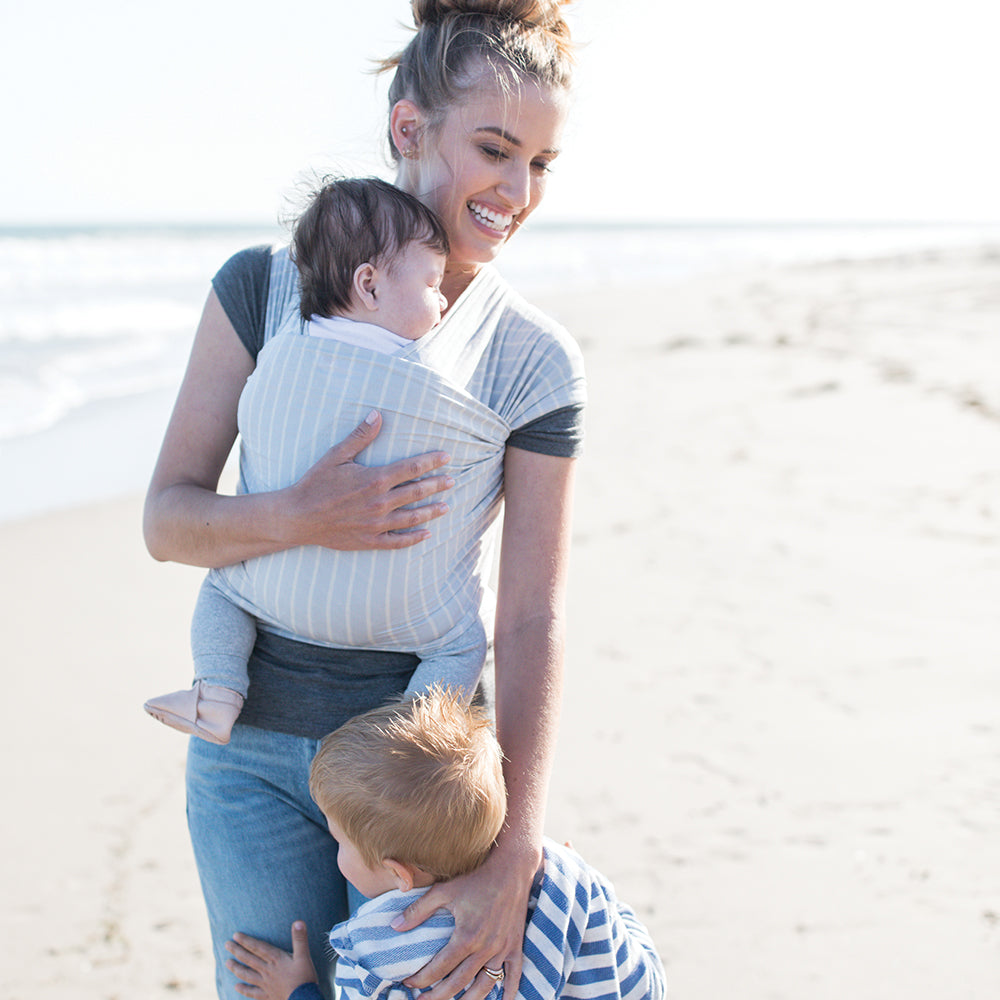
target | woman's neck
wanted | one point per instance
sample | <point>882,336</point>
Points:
<point>457,277</point>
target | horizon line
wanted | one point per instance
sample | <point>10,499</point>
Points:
<point>123,225</point>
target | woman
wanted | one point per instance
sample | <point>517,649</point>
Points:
<point>477,108</point>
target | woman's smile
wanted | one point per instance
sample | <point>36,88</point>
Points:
<point>490,218</point>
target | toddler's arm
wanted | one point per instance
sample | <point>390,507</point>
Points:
<point>640,969</point>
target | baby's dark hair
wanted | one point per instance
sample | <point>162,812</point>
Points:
<point>351,221</point>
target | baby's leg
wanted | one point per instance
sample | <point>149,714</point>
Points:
<point>458,663</point>
<point>222,638</point>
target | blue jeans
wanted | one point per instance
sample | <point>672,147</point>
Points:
<point>263,850</point>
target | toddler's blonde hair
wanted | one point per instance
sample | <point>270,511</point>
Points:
<point>419,781</point>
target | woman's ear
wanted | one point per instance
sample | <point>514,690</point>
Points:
<point>366,285</point>
<point>406,124</point>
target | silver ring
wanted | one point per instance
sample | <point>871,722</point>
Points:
<point>495,974</point>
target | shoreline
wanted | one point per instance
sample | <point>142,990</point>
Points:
<point>102,452</point>
<point>780,720</point>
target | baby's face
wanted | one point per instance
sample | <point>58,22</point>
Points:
<point>409,292</point>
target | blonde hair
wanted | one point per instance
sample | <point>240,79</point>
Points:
<point>456,40</point>
<point>419,781</point>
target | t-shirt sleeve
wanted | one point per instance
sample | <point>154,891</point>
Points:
<point>542,384</point>
<point>307,991</point>
<point>242,285</point>
<point>558,433</point>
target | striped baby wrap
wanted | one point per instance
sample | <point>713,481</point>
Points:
<point>308,393</point>
<point>488,367</point>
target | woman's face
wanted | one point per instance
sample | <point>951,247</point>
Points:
<point>484,168</point>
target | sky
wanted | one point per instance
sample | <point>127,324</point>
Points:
<point>719,110</point>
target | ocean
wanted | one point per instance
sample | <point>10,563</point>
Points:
<point>96,322</point>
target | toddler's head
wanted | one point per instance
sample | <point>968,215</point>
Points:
<point>369,251</point>
<point>418,783</point>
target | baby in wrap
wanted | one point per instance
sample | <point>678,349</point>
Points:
<point>370,260</point>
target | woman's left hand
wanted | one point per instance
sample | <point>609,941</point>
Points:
<point>489,906</point>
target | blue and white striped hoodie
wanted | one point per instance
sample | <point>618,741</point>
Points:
<point>580,942</point>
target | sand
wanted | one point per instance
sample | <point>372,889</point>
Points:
<point>781,735</point>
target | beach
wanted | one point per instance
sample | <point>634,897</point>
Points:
<point>781,728</point>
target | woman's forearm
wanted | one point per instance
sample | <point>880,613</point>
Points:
<point>190,524</point>
<point>529,697</point>
<point>337,504</point>
<point>529,638</point>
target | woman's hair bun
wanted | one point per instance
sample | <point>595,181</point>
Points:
<point>457,41</point>
<point>545,14</point>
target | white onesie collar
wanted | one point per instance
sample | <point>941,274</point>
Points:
<point>349,331</point>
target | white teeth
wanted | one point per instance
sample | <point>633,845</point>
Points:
<point>489,217</point>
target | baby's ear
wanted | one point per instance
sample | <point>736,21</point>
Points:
<point>366,285</point>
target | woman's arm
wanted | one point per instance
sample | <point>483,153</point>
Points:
<point>337,503</point>
<point>490,904</point>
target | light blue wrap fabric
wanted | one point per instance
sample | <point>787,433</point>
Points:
<point>459,389</point>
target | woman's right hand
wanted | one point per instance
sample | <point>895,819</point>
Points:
<point>338,503</point>
<point>342,505</point>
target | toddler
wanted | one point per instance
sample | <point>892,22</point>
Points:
<point>384,781</point>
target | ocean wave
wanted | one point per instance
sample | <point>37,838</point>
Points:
<point>95,321</point>
<point>45,383</point>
